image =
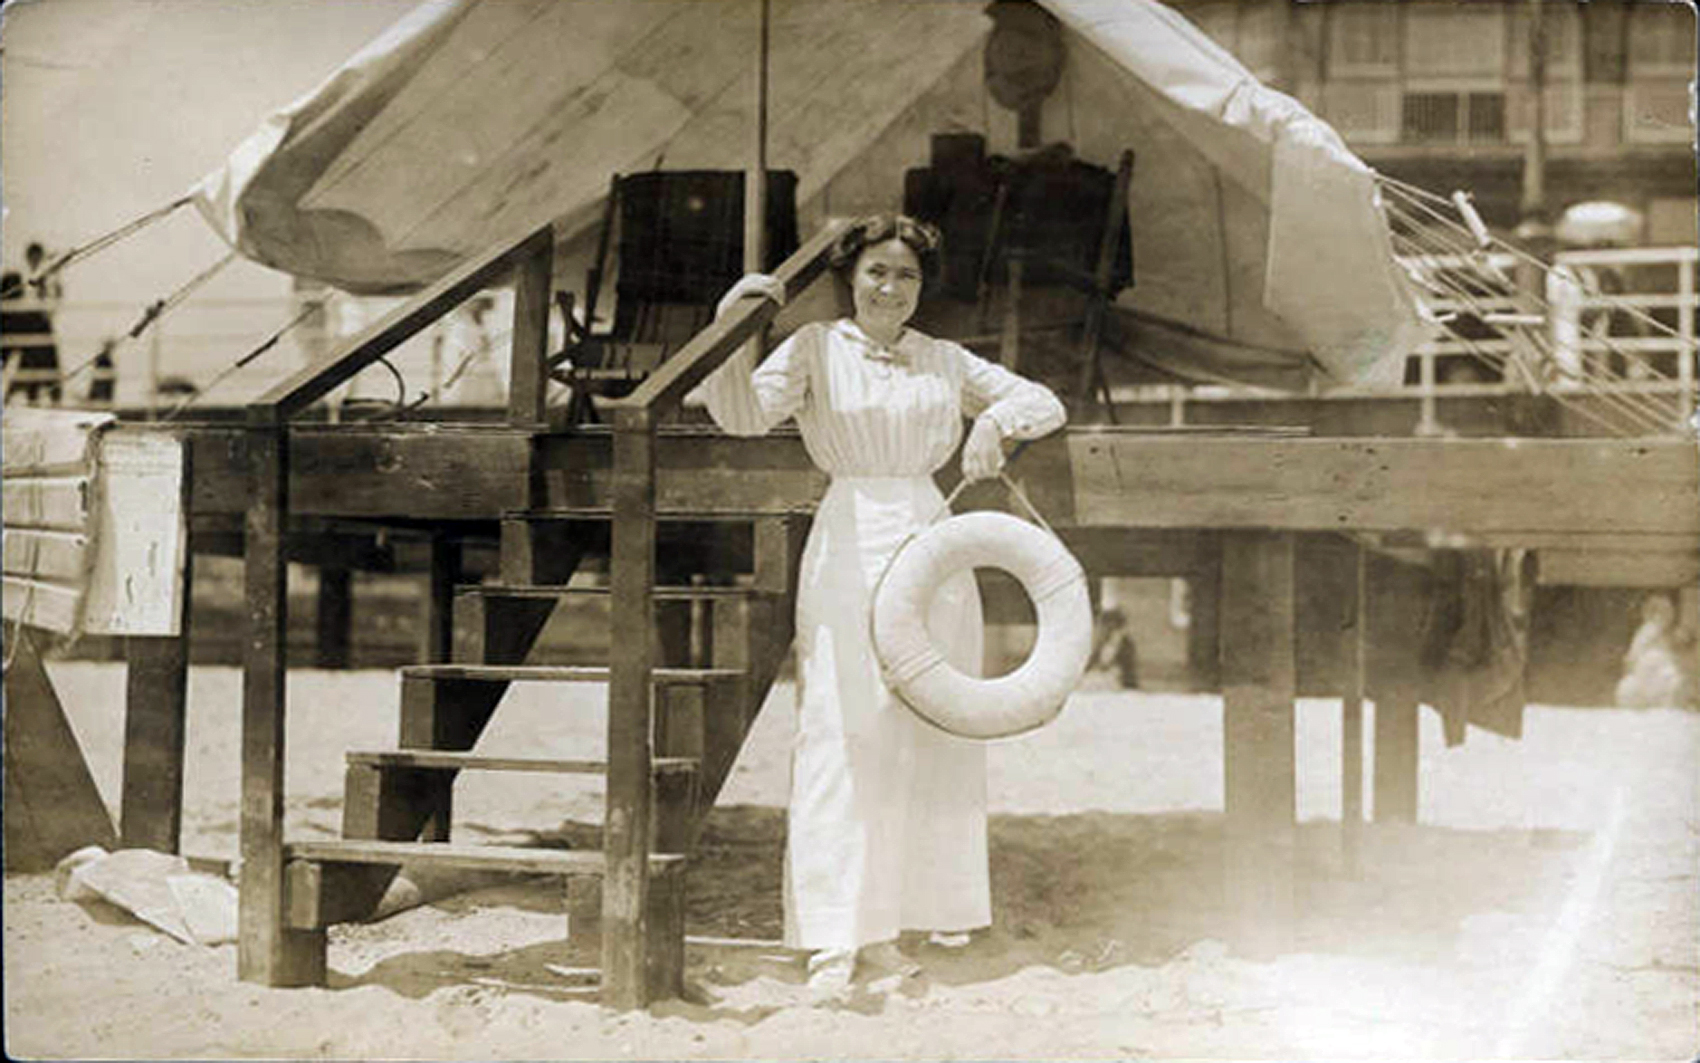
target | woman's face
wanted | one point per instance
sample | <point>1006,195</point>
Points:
<point>886,284</point>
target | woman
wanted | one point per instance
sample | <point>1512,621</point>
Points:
<point>887,820</point>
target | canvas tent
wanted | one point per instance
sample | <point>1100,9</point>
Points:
<point>471,122</point>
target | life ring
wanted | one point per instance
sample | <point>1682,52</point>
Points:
<point>964,705</point>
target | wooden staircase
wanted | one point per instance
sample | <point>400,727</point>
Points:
<point>398,804</point>
<point>675,725</point>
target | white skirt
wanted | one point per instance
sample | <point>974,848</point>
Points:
<point>887,822</point>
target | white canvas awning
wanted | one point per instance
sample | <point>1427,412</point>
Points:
<point>472,122</point>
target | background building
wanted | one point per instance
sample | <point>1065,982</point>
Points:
<point>1438,93</point>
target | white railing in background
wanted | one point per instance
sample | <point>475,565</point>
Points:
<point>1659,281</point>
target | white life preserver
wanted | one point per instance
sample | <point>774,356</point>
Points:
<point>968,706</point>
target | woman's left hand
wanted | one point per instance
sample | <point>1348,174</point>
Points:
<point>982,455</point>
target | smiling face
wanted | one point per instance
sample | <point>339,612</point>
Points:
<point>885,287</point>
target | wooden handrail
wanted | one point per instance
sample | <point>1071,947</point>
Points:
<point>665,388</point>
<point>317,380</point>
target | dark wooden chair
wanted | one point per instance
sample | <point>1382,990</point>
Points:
<point>678,243</point>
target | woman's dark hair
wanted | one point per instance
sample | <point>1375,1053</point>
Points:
<point>921,238</point>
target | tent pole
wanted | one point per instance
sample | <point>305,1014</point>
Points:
<point>755,179</point>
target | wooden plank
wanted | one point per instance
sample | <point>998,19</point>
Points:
<point>626,826</point>
<point>140,511</point>
<point>679,729</point>
<point>667,386</point>
<point>439,760</point>
<point>1463,485</point>
<point>1259,759</point>
<point>55,556</point>
<point>1618,568</point>
<point>528,382</point>
<point>333,621</point>
<point>58,502</point>
<point>36,441</point>
<point>563,673</point>
<point>1397,759</point>
<point>419,472</point>
<point>268,950</point>
<point>50,606</point>
<point>479,857</point>
<point>156,713</point>
<point>313,382</point>
<point>1354,654</point>
<point>52,806</point>
<point>701,471</point>
<point>437,606</point>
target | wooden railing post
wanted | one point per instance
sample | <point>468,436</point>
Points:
<point>267,950</point>
<point>528,381</point>
<point>626,826</point>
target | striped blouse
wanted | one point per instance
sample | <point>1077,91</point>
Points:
<point>868,410</point>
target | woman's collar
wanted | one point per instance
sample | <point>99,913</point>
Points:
<point>896,352</point>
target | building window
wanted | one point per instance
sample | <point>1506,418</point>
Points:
<point>1252,32</point>
<point>1562,24</point>
<point>1455,41</point>
<point>1363,40</point>
<point>1454,74</point>
<point>1453,117</point>
<point>1657,101</point>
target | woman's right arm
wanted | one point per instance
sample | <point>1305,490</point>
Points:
<point>748,400</point>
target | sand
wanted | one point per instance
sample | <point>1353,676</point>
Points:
<point>1546,907</point>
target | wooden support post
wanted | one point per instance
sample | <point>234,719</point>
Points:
<point>442,714</point>
<point>528,378</point>
<point>335,621</point>
<point>156,710</point>
<point>1396,759</point>
<point>1260,767</point>
<point>625,933</point>
<point>679,727</point>
<point>437,621</point>
<point>1204,628</point>
<point>1352,654</point>
<point>267,950</point>
<point>51,804</point>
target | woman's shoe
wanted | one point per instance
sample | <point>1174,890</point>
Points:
<point>886,956</point>
<point>830,971</point>
<point>946,940</point>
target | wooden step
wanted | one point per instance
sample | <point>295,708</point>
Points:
<point>538,673</point>
<point>544,590</point>
<point>467,857</point>
<point>443,760</point>
<point>706,516</point>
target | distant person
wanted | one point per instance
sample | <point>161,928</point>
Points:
<point>1116,649</point>
<point>103,382</point>
<point>1652,674</point>
<point>30,356</point>
<point>49,290</point>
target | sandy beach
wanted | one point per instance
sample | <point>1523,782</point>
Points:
<point>1545,907</point>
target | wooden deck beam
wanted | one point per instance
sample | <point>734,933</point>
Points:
<point>1503,491</point>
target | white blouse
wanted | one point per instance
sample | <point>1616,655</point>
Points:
<point>868,410</point>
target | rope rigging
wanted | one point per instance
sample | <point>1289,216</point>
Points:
<point>1453,259</point>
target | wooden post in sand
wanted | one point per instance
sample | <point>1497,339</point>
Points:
<point>1259,767</point>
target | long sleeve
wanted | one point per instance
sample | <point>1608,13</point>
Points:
<point>1020,408</point>
<point>746,402</point>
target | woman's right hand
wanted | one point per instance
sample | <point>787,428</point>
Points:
<point>751,285</point>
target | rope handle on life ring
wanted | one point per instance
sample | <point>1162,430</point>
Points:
<point>1014,489</point>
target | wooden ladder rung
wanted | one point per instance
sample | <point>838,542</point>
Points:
<point>478,857</point>
<point>538,673</point>
<point>545,590</point>
<point>443,760</point>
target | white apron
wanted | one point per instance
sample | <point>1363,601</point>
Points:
<point>887,823</point>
